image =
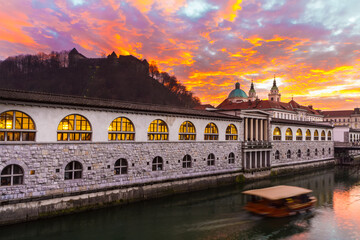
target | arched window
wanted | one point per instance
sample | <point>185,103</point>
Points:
<point>231,158</point>
<point>308,135</point>
<point>74,128</point>
<point>323,151</point>
<point>157,164</point>
<point>277,155</point>
<point>316,135</point>
<point>288,154</point>
<point>323,135</point>
<point>12,175</point>
<point>308,153</point>
<point>329,136</point>
<point>121,166</point>
<point>231,133</point>
<point>187,131</point>
<point>277,134</point>
<point>73,170</point>
<point>121,129</point>
<point>158,131</point>
<point>289,134</point>
<point>211,132</point>
<point>16,126</point>
<point>186,161</point>
<point>329,151</point>
<point>211,160</point>
<point>316,152</point>
<point>299,136</point>
<point>299,153</point>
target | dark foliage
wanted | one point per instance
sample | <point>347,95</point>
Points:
<point>124,78</point>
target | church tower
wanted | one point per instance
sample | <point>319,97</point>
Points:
<point>274,94</point>
<point>252,92</point>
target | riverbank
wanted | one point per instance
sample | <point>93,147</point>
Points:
<point>60,204</point>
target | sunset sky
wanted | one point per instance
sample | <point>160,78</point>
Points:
<point>313,46</point>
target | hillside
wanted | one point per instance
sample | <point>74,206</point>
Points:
<point>123,78</point>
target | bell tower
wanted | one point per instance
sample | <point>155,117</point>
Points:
<point>252,92</point>
<point>274,94</point>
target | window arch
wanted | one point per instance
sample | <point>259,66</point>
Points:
<point>289,134</point>
<point>288,154</point>
<point>323,151</point>
<point>121,166</point>
<point>277,134</point>
<point>231,133</point>
<point>187,131</point>
<point>73,170</point>
<point>121,129</point>
<point>299,153</point>
<point>74,127</point>
<point>211,132</point>
<point>16,126</point>
<point>329,136</point>
<point>277,155</point>
<point>158,131</point>
<point>308,135</point>
<point>12,175</point>
<point>299,136</point>
<point>323,135</point>
<point>231,158</point>
<point>211,160</point>
<point>157,164</point>
<point>308,153</point>
<point>329,151</point>
<point>316,135</point>
<point>316,152</point>
<point>186,161</point>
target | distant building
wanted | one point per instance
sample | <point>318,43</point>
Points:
<point>350,118</point>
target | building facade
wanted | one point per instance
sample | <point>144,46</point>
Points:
<point>350,118</point>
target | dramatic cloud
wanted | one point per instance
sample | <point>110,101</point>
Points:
<point>313,46</point>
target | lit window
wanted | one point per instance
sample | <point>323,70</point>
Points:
<point>288,154</point>
<point>299,153</point>
<point>121,166</point>
<point>308,135</point>
<point>74,128</point>
<point>277,155</point>
<point>12,175</point>
<point>16,126</point>
<point>329,136</point>
<point>316,135</point>
<point>277,134</point>
<point>157,164</point>
<point>73,170</point>
<point>323,136</point>
<point>186,161</point>
<point>158,131</point>
<point>289,134</point>
<point>211,132</point>
<point>231,158</point>
<point>187,131</point>
<point>299,136</point>
<point>121,129</point>
<point>211,160</point>
<point>231,133</point>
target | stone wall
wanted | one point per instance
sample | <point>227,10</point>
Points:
<point>294,146</point>
<point>47,163</point>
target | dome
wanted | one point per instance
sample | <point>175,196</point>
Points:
<point>237,92</point>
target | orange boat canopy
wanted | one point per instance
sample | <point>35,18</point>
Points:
<point>278,192</point>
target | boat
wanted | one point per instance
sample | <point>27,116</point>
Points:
<point>280,201</point>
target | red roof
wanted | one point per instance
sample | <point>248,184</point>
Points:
<point>341,113</point>
<point>266,104</point>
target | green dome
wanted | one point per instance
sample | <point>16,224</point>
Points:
<point>237,92</point>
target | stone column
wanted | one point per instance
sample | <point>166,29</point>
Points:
<point>250,162</point>
<point>246,132</point>
<point>256,129</point>
<point>251,129</point>
<point>261,158</point>
<point>262,129</point>
<point>266,131</point>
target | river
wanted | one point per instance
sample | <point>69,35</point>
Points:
<point>213,214</point>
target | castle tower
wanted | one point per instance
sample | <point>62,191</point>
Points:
<point>274,94</point>
<point>252,92</point>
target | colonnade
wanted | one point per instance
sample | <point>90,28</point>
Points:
<point>256,159</point>
<point>256,129</point>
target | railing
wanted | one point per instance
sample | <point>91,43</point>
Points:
<point>257,144</point>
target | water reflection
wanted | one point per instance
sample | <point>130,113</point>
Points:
<point>214,214</point>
